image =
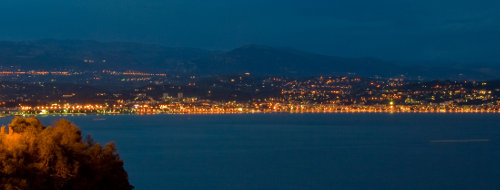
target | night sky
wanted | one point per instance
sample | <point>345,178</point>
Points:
<point>409,30</point>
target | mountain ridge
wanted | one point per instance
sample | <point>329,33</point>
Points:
<point>87,55</point>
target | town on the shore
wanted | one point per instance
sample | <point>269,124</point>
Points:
<point>113,92</point>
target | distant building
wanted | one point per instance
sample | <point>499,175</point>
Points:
<point>180,95</point>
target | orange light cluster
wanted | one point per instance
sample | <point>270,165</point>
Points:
<point>144,74</point>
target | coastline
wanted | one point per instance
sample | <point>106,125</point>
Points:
<point>260,112</point>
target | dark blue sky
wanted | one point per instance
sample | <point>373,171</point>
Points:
<point>415,30</point>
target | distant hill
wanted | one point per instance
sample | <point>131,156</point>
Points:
<point>91,55</point>
<point>260,60</point>
<point>282,61</point>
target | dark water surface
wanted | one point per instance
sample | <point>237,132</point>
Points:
<point>303,151</point>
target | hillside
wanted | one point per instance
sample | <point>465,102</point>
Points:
<point>261,60</point>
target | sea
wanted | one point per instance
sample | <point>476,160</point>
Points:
<point>302,151</point>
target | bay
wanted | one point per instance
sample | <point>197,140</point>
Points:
<point>302,151</point>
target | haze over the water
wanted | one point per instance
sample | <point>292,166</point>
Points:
<point>446,30</point>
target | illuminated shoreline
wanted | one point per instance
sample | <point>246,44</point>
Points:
<point>259,112</point>
<point>194,108</point>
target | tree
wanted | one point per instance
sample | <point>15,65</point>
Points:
<point>33,156</point>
